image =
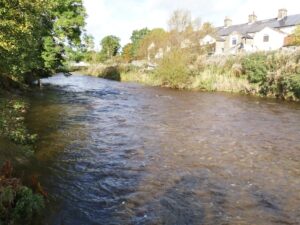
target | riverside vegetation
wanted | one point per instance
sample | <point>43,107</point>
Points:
<point>37,37</point>
<point>19,204</point>
<point>274,74</point>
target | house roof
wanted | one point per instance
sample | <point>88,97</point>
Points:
<point>220,39</point>
<point>246,28</point>
<point>247,36</point>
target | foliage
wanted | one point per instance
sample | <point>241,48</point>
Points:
<point>27,206</point>
<point>291,84</point>
<point>127,52</point>
<point>255,68</point>
<point>156,39</point>
<point>207,28</point>
<point>111,73</point>
<point>211,80</point>
<point>18,204</point>
<point>277,73</point>
<point>81,52</point>
<point>173,69</point>
<point>136,37</point>
<point>33,33</point>
<point>180,20</point>
<point>12,121</point>
<point>297,35</point>
<point>52,54</point>
<point>110,46</point>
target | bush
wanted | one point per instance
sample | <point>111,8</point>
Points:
<point>255,67</point>
<point>292,86</point>
<point>28,206</point>
<point>18,204</point>
<point>111,73</point>
<point>173,69</point>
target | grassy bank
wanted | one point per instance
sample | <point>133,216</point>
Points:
<point>273,74</point>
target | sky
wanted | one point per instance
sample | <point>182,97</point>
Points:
<point>121,17</point>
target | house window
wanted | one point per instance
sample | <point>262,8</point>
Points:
<point>266,38</point>
<point>233,41</point>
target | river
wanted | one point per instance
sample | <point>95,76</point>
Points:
<point>120,153</point>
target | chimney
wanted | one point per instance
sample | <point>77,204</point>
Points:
<point>227,22</point>
<point>252,18</point>
<point>282,13</point>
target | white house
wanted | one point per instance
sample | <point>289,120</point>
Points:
<point>255,35</point>
<point>269,39</point>
<point>207,40</point>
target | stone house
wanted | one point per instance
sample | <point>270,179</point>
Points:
<point>256,35</point>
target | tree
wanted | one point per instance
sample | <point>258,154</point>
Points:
<point>34,33</point>
<point>83,51</point>
<point>52,54</point>
<point>136,37</point>
<point>180,20</point>
<point>88,42</point>
<point>69,20</point>
<point>207,28</point>
<point>110,46</point>
<point>23,26</point>
<point>181,28</point>
<point>152,42</point>
<point>127,53</point>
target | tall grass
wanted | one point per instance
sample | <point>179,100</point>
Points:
<point>141,77</point>
<point>211,81</point>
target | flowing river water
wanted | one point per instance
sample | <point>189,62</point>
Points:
<point>119,153</point>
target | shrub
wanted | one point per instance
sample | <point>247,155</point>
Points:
<point>255,67</point>
<point>18,204</point>
<point>292,86</point>
<point>28,206</point>
<point>173,69</point>
<point>111,73</point>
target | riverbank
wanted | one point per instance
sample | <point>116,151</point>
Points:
<point>19,204</point>
<point>273,74</point>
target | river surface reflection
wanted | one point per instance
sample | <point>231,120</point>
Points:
<point>119,153</point>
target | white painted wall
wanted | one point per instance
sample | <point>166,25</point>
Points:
<point>276,40</point>
<point>207,40</point>
<point>220,47</point>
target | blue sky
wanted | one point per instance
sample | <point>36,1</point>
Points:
<point>121,17</point>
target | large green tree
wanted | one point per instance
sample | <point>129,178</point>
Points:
<point>110,46</point>
<point>136,38</point>
<point>156,39</point>
<point>127,53</point>
<point>34,33</point>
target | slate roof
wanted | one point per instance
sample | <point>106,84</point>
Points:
<point>259,25</point>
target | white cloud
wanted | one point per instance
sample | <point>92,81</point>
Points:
<point>120,17</point>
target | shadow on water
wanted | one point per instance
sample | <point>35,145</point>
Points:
<point>113,153</point>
